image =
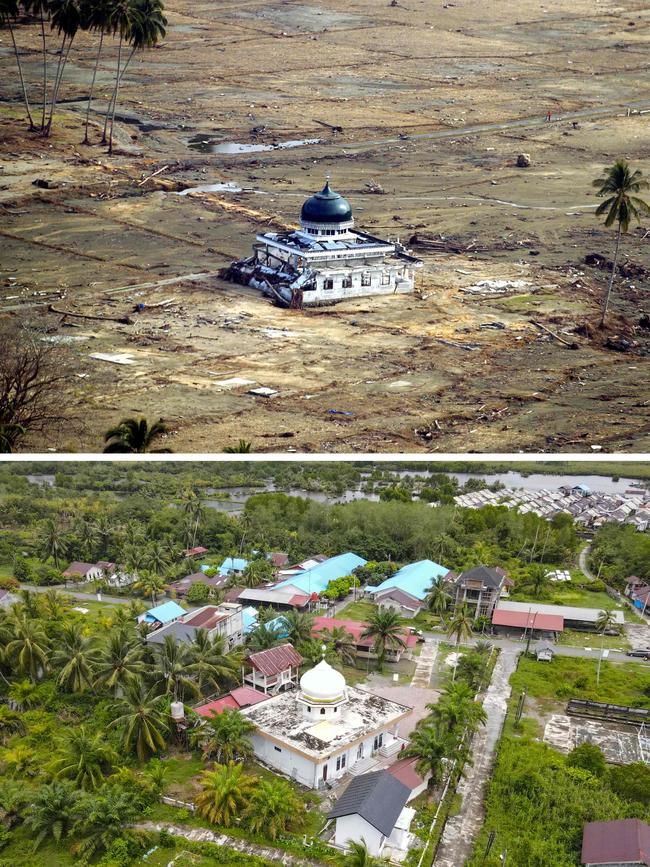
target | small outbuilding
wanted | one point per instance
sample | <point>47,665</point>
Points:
<point>369,811</point>
<point>544,652</point>
<point>162,614</point>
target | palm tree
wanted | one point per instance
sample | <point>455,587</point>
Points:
<point>55,605</point>
<point>226,737</point>
<point>457,707</point>
<point>359,856</point>
<point>142,718</point>
<point>28,649</point>
<point>66,18</point>
<point>55,545</point>
<point>22,694</point>
<point>314,650</point>
<point>460,625</point>
<point>140,22</point>
<point>149,584</point>
<point>119,663</point>
<point>87,535</point>
<point>209,664</point>
<point>53,811</point>
<point>274,808</point>
<point>131,436</point>
<point>342,642</point>
<point>95,12</point>
<point>157,557</point>
<point>387,631</point>
<point>83,758</point>
<point>9,10</point>
<point>605,621</point>
<point>40,9</point>
<point>225,791</point>
<point>29,604</point>
<point>298,626</point>
<point>104,821</point>
<point>171,669</point>
<point>430,743</point>
<point>263,637</point>
<point>619,184</point>
<point>438,600</point>
<point>19,761</point>
<point>11,723</point>
<point>76,653</point>
<point>242,447</point>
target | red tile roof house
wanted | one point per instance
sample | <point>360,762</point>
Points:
<point>242,696</point>
<point>363,645</point>
<point>622,843</point>
<point>273,670</point>
<point>195,552</point>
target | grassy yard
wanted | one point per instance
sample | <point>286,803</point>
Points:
<point>575,638</point>
<point>575,677</point>
<point>357,611</point>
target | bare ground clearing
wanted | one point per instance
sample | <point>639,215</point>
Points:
<point>469,85</point>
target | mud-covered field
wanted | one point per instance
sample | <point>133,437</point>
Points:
<point>434,102</point>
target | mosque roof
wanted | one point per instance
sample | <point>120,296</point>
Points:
<point>326,207</point>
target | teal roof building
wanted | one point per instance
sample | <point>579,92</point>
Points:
<point>416,579</point>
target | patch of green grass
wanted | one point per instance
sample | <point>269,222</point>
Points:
<point>181,771</point>
<point>18,852</point>
<point>575,677</point>
<point>357,611</point>
<point>575,638</point>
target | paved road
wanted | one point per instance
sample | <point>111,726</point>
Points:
<point>460,830</point>
<point>82,597</point>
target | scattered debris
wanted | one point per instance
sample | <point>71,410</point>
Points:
<point>340,412</point>
<point>469,347</point>
<point>334,127</point>
<point>114,357</point>
<point>523,161</point>
<point>149,177</point>
<point>263,391</point>
<point>628,270</point>
<point>373,187</point>
<point>123,320</point>
<point>571,345</point>
<point>495,287</point>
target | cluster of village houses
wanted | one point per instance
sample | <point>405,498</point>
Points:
<point>586,507</point>
<point>315,728</point>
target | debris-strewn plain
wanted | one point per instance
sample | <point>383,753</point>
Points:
<point>433,121</point>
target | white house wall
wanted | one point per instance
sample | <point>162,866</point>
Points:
<point>356,829</point>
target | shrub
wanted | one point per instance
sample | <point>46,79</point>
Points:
<point>9,584</point>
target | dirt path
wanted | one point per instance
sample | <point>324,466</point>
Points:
<point>461,830</point>
<point>202,835</point>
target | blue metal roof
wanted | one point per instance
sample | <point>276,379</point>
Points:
<point>164,613</point>
<point>249,618</point>
<point>232,564</point>
<point>315,580</point>
<point>415,579</point>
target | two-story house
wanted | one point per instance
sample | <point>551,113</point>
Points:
<point>478,588</point>
<point>223,620</point>
<point>273,670</point>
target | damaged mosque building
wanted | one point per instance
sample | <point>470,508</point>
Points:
<point>326,259</point>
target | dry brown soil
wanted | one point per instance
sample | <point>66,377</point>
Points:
<point>474,80</point>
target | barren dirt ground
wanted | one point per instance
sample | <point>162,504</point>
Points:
<point>435,102</point>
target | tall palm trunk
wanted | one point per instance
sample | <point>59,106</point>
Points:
<point>44,70</point>
<point>22,79</point>
<point>613,274</point>
<point>110,138</point>
<point>111,111</point>
<point>92,86</point>
<point>63,59</point>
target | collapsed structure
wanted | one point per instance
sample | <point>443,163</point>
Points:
<point>326,259</point>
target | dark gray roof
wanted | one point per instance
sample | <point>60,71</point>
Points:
<point>326,207</point>
<point>491,577</point>
<point>182,632</point>
<point>378,797</point>
<point>400,596</point>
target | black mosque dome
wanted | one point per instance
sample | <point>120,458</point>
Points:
<point>326,207</point>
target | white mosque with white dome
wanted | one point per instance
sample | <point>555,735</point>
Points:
<point>325,728</point>
<point>327,259</point>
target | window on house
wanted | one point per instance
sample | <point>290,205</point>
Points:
<point>277,749</point>
<point>308,709</point>
<point>328,284</point>
<point>385,279</point>
<point>378,742</point>
<point>347,283</point>
<point>340,763</point>
<point>366,279</point>
<point>322,711</point>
